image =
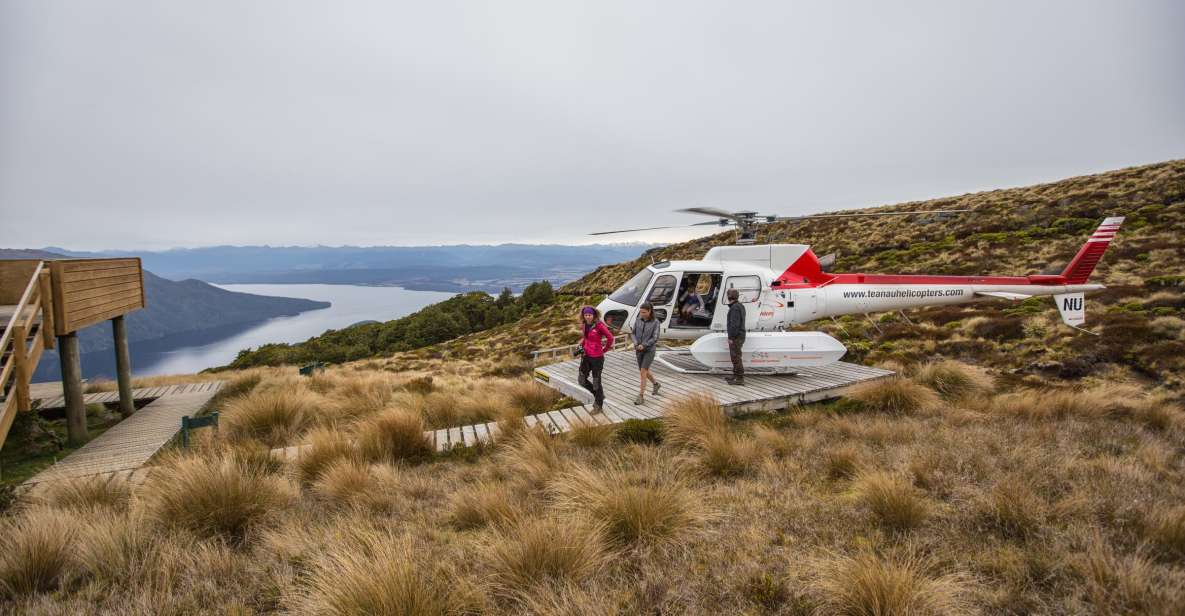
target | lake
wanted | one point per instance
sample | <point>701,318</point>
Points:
<point>193,352</point>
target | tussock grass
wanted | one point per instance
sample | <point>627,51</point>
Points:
<point>534,551</point>
<point>531,397</point>
<point>773,441</point>
<point>274,415</point>
<point>86,493</point>
<point>691,419</point>
<point>253,456</point>
<point>322,447</point>
<point>1126,584</point>
<point>352,483</point>
<point>843,461</point>
<point>360,395</point>
<point>865,584</point>
<point>643,505</point>
<point>1012,508</point>
<point>36,551</point>
<point>1164,527</point>
<point>590,435</point>
<point>215,498</point>
<point>724,454</point>
<point>893,396</point>
<point>893,500</point>
<point>117,549</point>
<point>1052,405</point>
<point>484,503</point>
<point>381,573</point>
<point>533,456</point>
<point>394,436</point>
<point>953,381</point>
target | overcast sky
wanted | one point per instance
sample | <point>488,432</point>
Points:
<point>157,124</point>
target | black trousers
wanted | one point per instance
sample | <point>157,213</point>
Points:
<point>734,353</point>
<point>593,366</point>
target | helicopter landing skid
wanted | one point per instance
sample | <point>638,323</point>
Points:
<point>682,361</point>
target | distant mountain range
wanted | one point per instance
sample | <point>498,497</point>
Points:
<point>435,268</point>
<point>176,307</point>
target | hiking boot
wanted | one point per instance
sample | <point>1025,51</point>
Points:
<point>734,381</point>
<point>654,392</point>
<point>596,409</point>
<point>639,401</point>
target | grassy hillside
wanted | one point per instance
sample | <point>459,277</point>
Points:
<point>1014,231</point>
<point>933,495</point>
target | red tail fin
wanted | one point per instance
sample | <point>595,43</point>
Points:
<point>1088,256</point>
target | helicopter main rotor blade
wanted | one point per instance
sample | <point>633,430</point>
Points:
<point>709,211</point>
<point>697,224</point>
<point>809,216</point>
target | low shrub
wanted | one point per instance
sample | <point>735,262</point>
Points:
<point>641,431</point>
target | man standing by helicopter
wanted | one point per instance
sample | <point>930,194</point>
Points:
<point>736,337</point>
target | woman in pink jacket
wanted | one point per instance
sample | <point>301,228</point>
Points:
<point>595,340</point>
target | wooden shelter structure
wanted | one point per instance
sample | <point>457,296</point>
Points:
<point>44,304</point>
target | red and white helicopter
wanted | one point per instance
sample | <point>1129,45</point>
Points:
<point>782,285</point>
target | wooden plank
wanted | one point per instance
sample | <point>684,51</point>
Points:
<point>98,283</point>
<point>454,438</point>
<point>98,275</point>
<point>91,265</point>
<point>91,316</point>
<point>131,288</point>
<point>77,308</point>
<point>560,422</point>
<point>469,436</point>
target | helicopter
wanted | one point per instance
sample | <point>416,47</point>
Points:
<point>784,285</point>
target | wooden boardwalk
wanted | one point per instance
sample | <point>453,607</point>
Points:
<point>760,393</point>
<point>58,401</point>
<point>129,444</point>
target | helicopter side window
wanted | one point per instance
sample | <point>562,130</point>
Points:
<point>630,292</point>
<point>663,291</point>
<point>748,288</point>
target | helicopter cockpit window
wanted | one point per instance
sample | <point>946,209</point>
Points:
<point>663,291</point>
<point>631,292</point>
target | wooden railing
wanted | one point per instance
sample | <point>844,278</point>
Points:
<point>29,331</point>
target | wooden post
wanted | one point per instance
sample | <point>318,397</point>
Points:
<point>21,369</point>
<point>123,367</point>
<point>72,388</point>
<point>47,326</point>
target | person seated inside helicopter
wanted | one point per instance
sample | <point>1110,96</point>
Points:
<point>698,300</point>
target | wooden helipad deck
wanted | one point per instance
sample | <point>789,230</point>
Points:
<point>129,444</point>
<point>761,392</point>
<point>58,401</point>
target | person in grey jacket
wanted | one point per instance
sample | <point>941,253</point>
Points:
<point>736,337</point>
<point>645,337</point>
